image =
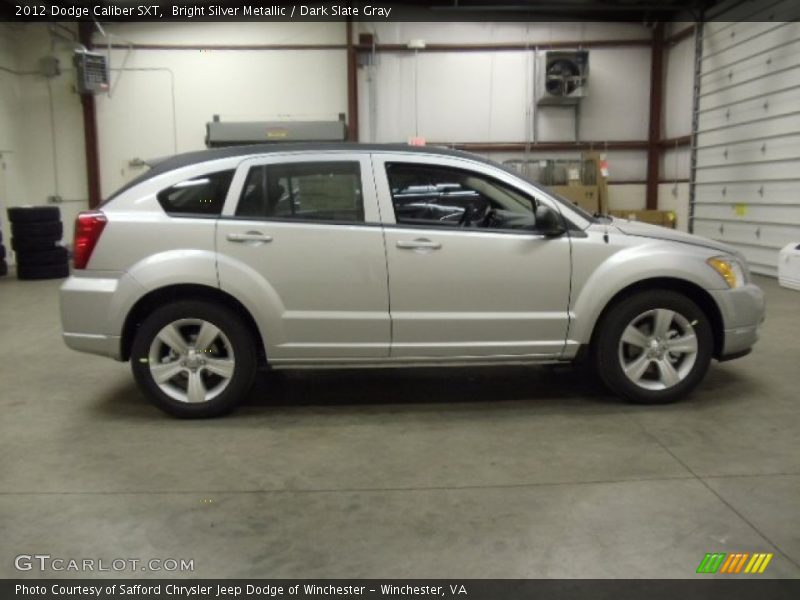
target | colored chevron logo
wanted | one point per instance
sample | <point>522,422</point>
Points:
<point>734,563</point>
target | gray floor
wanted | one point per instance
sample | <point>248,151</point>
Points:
<point>494,473</point>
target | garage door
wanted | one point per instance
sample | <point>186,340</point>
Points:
<point>747,161</point>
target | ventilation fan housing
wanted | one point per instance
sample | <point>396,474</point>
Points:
<point>562,76</point>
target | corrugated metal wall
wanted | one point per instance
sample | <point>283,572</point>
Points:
<point>747,164</point>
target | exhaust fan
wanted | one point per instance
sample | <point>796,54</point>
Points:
<point>91,69</point>
<point>562,76</point>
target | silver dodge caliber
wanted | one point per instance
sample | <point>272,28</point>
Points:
<point>216,263</point>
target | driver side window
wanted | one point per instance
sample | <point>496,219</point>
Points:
<point>425,195</point>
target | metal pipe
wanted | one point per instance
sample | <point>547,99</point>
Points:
<point>54,136</point>
<point>696,83</point>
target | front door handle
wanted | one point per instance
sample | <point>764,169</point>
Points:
<point>250,236</point>
<point>419,244</point>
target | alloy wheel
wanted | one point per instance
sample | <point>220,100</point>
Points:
<point>191,360</point>
<point>658,349</point>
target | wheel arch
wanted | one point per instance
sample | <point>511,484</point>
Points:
<point>172,293</point>
<point>691,290</point>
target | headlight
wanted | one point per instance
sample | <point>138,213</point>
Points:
<point>729,269</point>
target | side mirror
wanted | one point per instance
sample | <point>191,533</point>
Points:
<point>548,221</point>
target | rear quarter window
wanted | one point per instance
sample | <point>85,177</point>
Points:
<point>200,196</point>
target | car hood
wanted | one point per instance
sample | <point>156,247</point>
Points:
<point>662,233</point>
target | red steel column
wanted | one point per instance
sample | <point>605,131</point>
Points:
<point>656,101</point>
<point>90,128</point>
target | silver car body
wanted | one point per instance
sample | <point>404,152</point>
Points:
<point>383,294</point>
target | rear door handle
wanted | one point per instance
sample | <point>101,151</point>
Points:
<point>250,236</point>
<point>420,244</point>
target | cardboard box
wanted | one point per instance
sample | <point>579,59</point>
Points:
<point>665,218</point>
<point>585,196</point>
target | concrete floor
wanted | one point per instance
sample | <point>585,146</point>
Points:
<point>423,473</point>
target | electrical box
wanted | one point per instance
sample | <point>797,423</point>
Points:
<point>49,66</point>
<point>562,77</point>
<point>91,70</point>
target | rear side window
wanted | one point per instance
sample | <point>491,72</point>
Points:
<point>308,191</point>
<point>202,195</point>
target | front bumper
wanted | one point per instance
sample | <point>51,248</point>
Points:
<point>743,311</point>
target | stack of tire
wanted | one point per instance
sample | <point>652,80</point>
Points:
<point>3,263</point>
<point>35,235</point>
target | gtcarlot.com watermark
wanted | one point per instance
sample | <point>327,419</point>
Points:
<point>56,564</point>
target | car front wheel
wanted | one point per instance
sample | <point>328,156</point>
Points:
<point>194,359</point>
<point>653,347</point>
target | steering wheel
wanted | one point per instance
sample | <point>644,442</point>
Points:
<point>474,214</point>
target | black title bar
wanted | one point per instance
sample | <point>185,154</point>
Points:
<point>712,588</point>
<point>646,11</point>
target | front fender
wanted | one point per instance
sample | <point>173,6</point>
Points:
<point>598,277</point>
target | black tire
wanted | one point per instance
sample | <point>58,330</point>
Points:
<point>3,268</point>
<point>32,244</point>
<point>241,343</point>
<point>48,230</point>
<point>33,214</point>
<point>55,256</point>
<point>43,271</point>
<point>607,347</point>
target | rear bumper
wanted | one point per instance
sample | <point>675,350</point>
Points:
<point>103,345</point>
<point>743,311</point>
<point>93,309</point>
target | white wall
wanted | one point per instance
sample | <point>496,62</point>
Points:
<point>31,172</point>
<point>475,97</point>
<point>488,96</point>
<point>138,120</point>
<point>9,104</point>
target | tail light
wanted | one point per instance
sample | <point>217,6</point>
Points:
<point>88,227</point>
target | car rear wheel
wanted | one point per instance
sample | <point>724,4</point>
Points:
<point>194,359</point>
<point>653,347</point>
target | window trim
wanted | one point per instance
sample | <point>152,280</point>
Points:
<point>372,215</point>
<point>574,222</point>
<point>494,180</point>
<point>195,215</point>
<point>290,191</point>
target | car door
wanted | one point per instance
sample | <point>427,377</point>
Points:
<point>461,288</point>
<point>300,238</point>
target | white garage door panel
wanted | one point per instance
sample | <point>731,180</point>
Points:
<point>775,81</point>
<point>760,129</point>
<point>756,151</point>
<point>746,169</point>
<point>768,171</point>
<point>744,208</point>
<point>723,38</point>
<point>779,104</point>
<point>772,192</point>
<point>768,237</point>
<point>769,35</point>
<point>759,251</point>
<point>778,59</point>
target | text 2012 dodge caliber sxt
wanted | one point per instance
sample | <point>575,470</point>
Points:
<point>215,263</point>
